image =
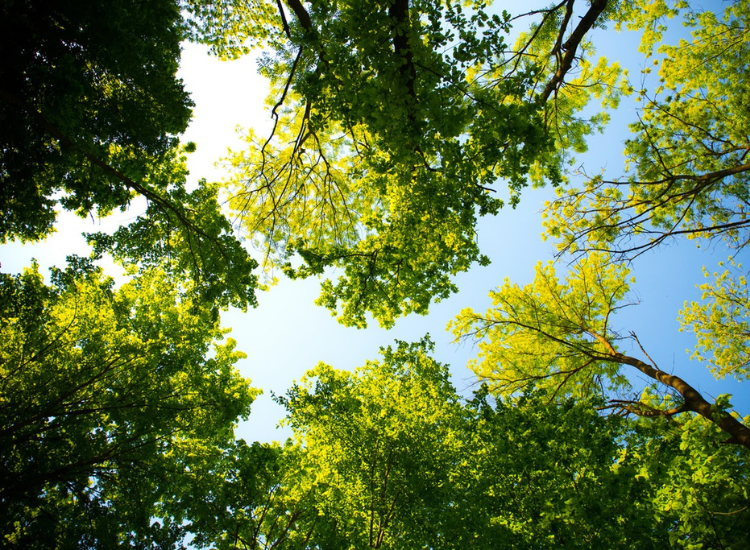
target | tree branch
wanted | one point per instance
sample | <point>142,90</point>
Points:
<point>164,204</point>
<point>399,13</point>
<point>693,400</point>
<point>571,45</point>
<point>301,13</point>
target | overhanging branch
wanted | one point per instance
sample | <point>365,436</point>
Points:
<point>570,47</point>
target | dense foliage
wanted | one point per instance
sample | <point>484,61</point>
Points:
<point>107,400</point>
<point>396,126</point>
<point>88,93</point>
<point>394,205</point>
<point>90,113</point>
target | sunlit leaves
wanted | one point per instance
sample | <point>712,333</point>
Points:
<point>720,323</point>
<point>688,158</point>
<point>551,334</point>
<point>378,444</point>
<point>102,390</point>
<point>296,188</point>
<point>389,457</point>
<point>649,16</point>
<point>565,87</point>
<point>232,27</point>
<point>388,143</point>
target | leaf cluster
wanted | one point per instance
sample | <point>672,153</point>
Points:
<point>392,205</point>
<point>83,82</point>
<point>107,398</point>
<point>389,456</point>
<point>687,160</point>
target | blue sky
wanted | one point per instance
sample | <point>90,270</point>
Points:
<point>287,334</point>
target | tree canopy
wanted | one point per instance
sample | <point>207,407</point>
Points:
<point>390,456</point>
<point>561,337</point>
<point>108,399</point>
<point>89,92</point>
<point>396,127</point>
<point>687,158</point>
<point>91,111</point>
<point>394,206</point>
